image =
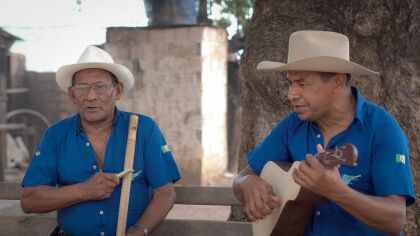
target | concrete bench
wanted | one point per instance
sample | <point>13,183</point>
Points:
<point>41,224</point>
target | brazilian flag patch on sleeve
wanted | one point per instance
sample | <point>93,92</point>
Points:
<point>400,158</point>
<point>165,149</point>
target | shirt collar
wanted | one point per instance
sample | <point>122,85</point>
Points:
<point>360,102</point>
<point>77,122</point>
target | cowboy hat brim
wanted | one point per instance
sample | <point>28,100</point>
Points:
<point>65,73</point>
<point>319,64</point>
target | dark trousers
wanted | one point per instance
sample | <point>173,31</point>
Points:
<point>58,232</point>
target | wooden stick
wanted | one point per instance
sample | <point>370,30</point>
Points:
<point>128,165</point>
<point>123,173</point>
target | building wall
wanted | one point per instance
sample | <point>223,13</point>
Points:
<point>214,104</point>
<point>180,81</point>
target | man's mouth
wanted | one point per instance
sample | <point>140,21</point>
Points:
<point>92,108</point>
<point>298,108</point>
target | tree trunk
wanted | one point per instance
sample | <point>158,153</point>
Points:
<point>384,36</point>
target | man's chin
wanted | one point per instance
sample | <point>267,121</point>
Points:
<point>304,117</point>
<point>92,117</point>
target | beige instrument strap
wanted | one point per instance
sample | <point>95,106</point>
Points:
<point>126,184</point>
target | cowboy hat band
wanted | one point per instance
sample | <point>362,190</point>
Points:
<point>94,57</point>
<point>321,51</point>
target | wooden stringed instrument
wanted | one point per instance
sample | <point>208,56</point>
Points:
<point>297,203</point>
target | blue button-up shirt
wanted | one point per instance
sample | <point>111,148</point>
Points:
<point>383,166</point>
<point>65,157</point>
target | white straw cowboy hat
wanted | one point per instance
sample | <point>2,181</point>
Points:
<point>321,51</point>
<point>94,57</point>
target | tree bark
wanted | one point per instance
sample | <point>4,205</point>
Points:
<point>384,36</point>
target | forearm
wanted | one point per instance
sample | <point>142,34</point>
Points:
<point>162,202</point>
<point>45,198</point>
<point>386,214</point>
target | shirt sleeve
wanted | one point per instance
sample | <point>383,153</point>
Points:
<point>160,167</point>
<point>391,173</point>
<point>42,169</point>
<point>272,148</point>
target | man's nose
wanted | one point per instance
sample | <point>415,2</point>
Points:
<point>293,93</point>
<point>91,94</point>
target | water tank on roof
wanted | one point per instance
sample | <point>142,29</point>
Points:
<point>171,12</point>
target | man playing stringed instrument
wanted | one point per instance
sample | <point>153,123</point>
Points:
<point>74,168</point>
<point>367,199</point>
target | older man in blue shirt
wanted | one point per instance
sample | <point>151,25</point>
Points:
<point>367,199</point>
<point>73,169</point>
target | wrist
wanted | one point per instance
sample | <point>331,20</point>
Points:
<point>140,228</point>
<point>83,193</point>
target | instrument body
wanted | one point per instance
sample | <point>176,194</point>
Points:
<point>297,204</point>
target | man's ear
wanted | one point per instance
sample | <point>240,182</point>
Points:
<point>70,92</point>
<point>340,82</point>
<point>119,88</point>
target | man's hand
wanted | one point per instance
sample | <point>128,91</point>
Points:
<point>259,198</point>
<point>100,186</point>
<point>317,178</point>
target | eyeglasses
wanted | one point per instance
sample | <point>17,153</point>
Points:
<point>100,89</point>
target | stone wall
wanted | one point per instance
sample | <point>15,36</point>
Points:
<point>180,81</point>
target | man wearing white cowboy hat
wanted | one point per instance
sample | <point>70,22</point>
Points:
<point>367,199</point>
<point>73,169</point>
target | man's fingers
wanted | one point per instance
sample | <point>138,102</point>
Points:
<point>124,173</point>
<point>275,200</point>
<point>269,203</point>
<point>107,195</point>
<point>248,213</point>
<point>111,177</point>
<point>255,214</point>
<point>297,178</point>
<point>261,205</point>
<point>312,161</point>
<point>252,210</point>
<point>261,208</point>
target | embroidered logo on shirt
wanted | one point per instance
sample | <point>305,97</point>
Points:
<point>165,149</point>
<point>400,158</point>
<point>135,175</point>
<point>37,153</point>
<point>349,179</point>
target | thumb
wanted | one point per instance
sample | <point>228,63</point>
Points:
<point>319,148</point>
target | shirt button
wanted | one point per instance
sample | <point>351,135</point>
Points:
<point>87,144</point>
<point>318,136</point>
<point>101,212</point>
<point>318,213</point>
<point>102,233</point>
<point>94,167</point>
